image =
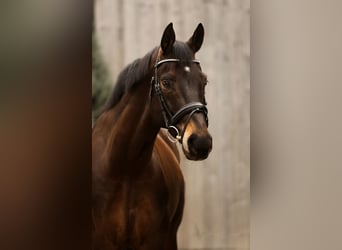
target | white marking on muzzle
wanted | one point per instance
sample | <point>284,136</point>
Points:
<point>187,134</point>
<point>187,68</point>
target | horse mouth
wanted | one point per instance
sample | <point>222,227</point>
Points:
<point>194,155</point>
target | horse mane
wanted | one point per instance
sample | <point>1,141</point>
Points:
<point>133,73</point>
<point>129,77</point>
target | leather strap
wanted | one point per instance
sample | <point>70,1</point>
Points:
<point>187,109</point>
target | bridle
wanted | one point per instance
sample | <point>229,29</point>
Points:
<point>171,120</point>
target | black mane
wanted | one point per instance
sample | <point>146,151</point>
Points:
<point>128,78</point>
<point>138,69</point>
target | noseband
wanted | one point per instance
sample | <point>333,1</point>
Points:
<point>171,120</point>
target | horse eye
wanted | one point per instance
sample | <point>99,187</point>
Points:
<point>166,83</point>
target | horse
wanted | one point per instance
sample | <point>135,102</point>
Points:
<point>137,183</point>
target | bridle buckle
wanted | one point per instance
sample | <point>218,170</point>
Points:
<point>173,134</point>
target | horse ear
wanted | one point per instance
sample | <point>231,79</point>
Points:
<point>168,39</point>
<point>195,42</point>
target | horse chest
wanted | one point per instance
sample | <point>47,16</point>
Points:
<point>143,207</point>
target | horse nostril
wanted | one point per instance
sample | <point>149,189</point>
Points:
<point>191,140</point>
<point>200,145</point>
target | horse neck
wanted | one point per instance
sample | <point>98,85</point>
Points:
<point>132,137</point>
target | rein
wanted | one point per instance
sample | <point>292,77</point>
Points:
<point>171,120</point>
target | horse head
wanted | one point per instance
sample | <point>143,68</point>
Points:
<point>179,84</point>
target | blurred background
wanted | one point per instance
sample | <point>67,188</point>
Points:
<point>216,214</point>
<point>45,112</point>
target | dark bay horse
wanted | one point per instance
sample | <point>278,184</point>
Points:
<point>138,186</point>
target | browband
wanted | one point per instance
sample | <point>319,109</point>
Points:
<point>172,60</point>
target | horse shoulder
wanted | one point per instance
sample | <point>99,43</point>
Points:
<point>170,166</point>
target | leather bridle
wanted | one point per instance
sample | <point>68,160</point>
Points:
<point>171,120</point>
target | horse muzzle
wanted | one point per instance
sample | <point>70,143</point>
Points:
<point>197,146</point>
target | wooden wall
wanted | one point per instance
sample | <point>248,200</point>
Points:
<point>216,214</point>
